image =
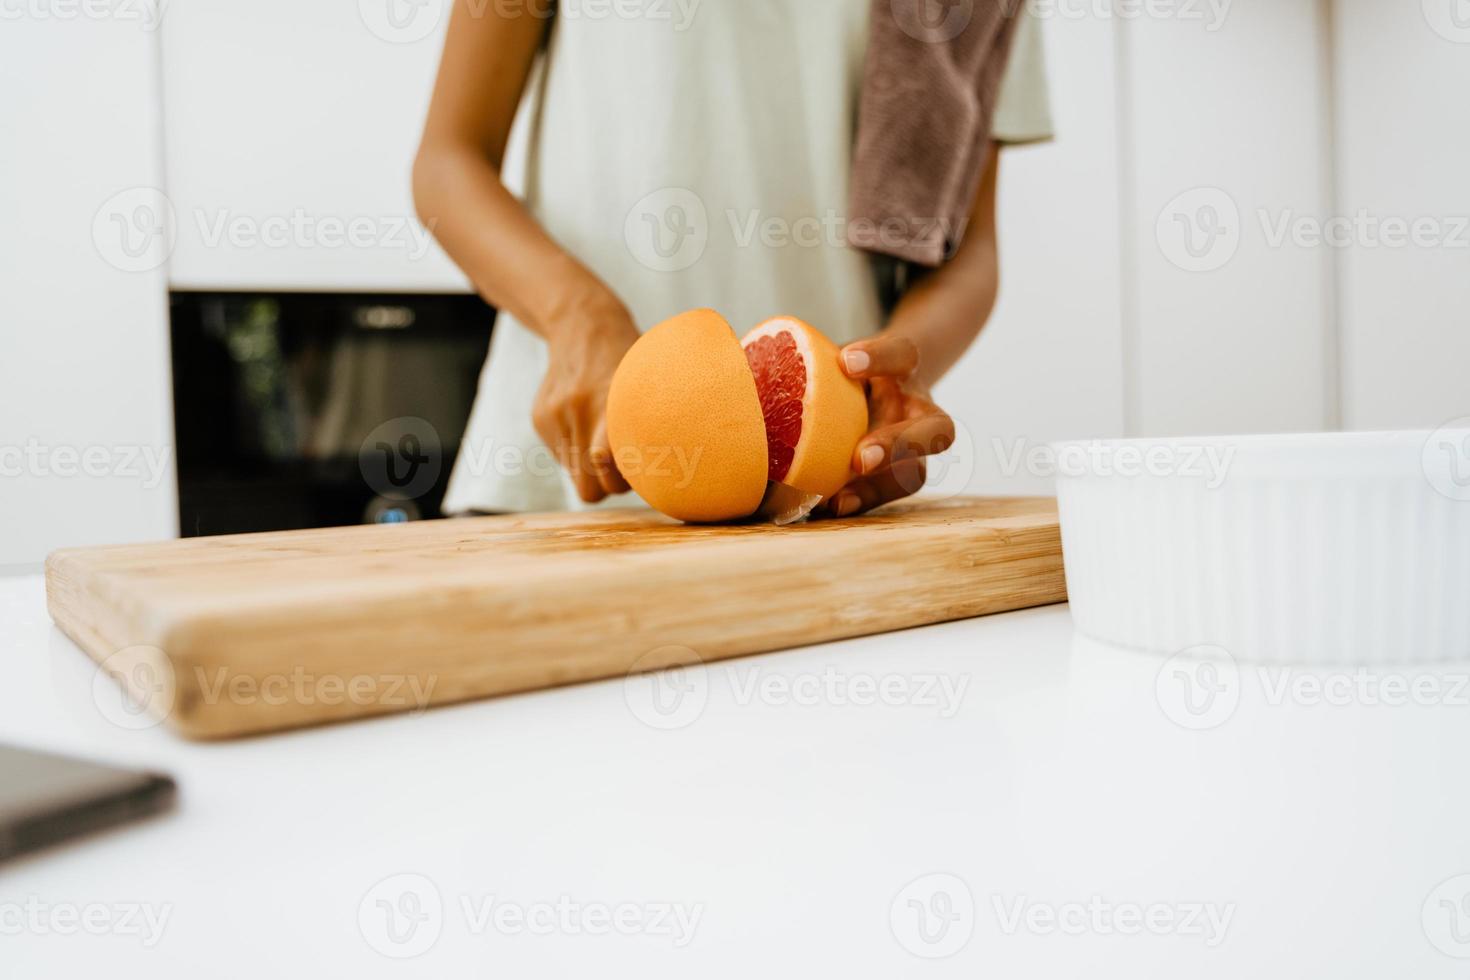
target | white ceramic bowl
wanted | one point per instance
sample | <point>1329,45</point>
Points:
<point>1346,548</point>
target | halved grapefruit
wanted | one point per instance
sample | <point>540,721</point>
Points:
<point>708,429</point>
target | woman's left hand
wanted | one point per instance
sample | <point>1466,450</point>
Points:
<point>904,425</point>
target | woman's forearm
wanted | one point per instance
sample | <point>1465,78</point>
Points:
<point>508,256</point>
<point>945,310</point>
<point>488,60</point>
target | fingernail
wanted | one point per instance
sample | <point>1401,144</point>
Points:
<point>845,504</point>
<point>871,457</point>
<point>857,361</point>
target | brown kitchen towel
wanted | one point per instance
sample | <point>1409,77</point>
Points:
<point>930,85</point>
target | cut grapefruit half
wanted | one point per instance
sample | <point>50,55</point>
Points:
<point>707,428</point>
<point>814,415</point>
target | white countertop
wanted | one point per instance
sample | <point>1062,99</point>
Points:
<point>1046,810</point>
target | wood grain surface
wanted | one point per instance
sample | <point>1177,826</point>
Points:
<point>233,635</point>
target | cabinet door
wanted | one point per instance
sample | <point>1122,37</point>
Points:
<point>1403,156</point>
<point>85,428</point>
<point>1229,327</point>
<point>290,128</point>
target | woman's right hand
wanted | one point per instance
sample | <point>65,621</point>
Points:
<point>584,348</point>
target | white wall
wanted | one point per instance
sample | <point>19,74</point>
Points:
<point>1107,325</point>
<point>289,124</point>
<point>84,381</point>
<point>1223,126</point>
<point>1403,154</point>
<point>1049,365</point>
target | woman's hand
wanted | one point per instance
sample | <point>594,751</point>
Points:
<point>584,350</point>
<point>904,425</point>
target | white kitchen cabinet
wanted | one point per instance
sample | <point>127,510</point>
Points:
<point>290,128</point>
<point>1403,156</point>
<point>1225,331</point>
<point>85,424</point>
<point>1049,364</point>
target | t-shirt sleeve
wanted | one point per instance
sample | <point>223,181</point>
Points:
<point>1023,111</point>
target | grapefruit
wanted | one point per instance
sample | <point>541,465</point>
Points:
<point>814,414</point>
<point>706,428</point>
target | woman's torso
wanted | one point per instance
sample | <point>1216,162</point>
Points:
<point>695,154</point>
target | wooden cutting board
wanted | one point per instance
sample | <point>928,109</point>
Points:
<point>248,633</point>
